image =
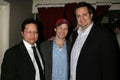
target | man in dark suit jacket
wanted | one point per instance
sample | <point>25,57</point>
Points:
<point>94,55</point>
<point>56,52</point>
<point>19,62</point>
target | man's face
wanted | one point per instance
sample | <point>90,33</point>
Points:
<point>61,31</point>
<point>30,33</point>
<point>84,18</point>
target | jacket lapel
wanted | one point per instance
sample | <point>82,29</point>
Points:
<point>89,40</point>
<point>25,56</point>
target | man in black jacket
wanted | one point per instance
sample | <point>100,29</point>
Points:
<point>19,62</point>
<point>94,55</point>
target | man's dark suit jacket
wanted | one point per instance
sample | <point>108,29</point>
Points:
<point>46,48</point>
<point>17,64</point>
<point>98,58</point>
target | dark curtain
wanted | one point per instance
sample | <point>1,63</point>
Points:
<point>101,10</point>
<point>42,18</point>
<point>40,31</point>
<point>48,16</point>
<point>69,15</point>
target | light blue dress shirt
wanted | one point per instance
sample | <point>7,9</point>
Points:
<point>59,63</point>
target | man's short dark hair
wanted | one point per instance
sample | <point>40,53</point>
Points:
<point>28,21</point>
<point>91,9</point>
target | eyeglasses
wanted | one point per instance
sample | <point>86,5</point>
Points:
<point>30,32</point>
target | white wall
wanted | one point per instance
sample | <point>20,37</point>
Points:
<point>52,2</point>
<point>4,28</point>
<point>19,10</point>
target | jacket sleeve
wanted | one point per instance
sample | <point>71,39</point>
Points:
<point>8,66</point>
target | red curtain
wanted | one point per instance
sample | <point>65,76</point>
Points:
<point>69,13</point>
<point>101,10</point>
<point>48,16</point>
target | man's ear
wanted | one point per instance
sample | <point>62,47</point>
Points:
<point>55,29</point>
<point>91,16</point>
<point>22,33</point>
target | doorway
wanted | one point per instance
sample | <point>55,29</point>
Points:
<point>4,28</point>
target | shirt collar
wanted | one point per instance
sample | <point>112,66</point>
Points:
<point>27,45</point>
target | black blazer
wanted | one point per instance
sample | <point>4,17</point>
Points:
<point>17,64</point>
<point>46,50</point>
<point>98,58</point>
